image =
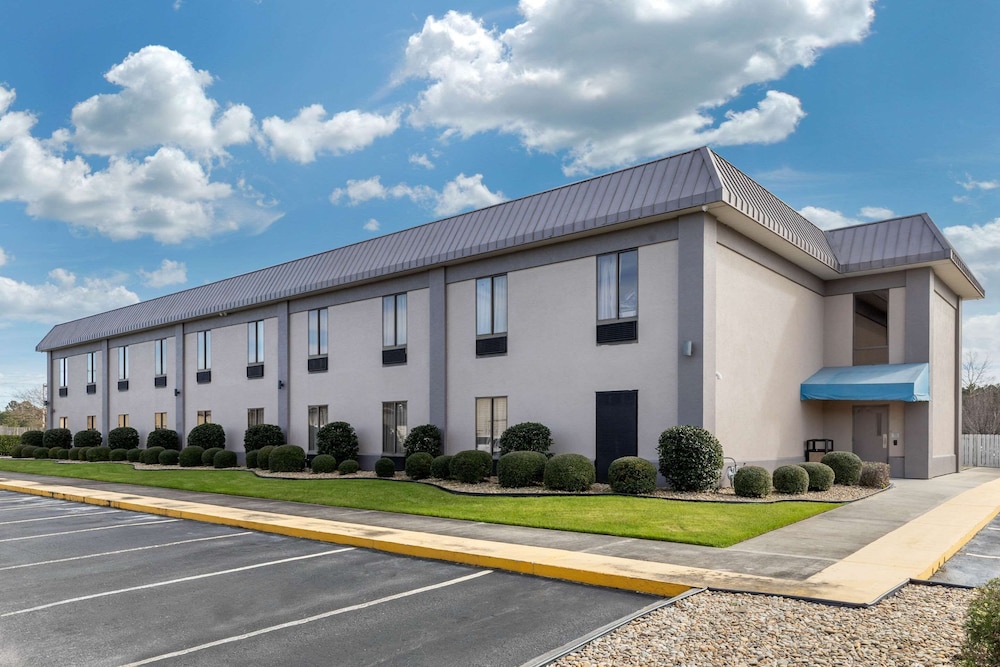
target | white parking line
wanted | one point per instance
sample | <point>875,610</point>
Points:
<point>980,556</point>
<point>169,582</point>
<point>310,619</point>
<point>88,530</point>
<point>28,507</point>
<point>124,551</point>
<point>64,515</point>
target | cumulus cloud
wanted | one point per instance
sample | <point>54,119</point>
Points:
<point>62,298</point>
<point>979,245</point>
<point>461,193</point>
<point>304,137</point>
<point>971,184</point>
<point>611,82</point>
<point>169,273</point>
<point>372,225</point>
<point>825,218</point>
<point>3,257</point>
<point>422,160</point>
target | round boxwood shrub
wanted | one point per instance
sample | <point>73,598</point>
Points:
<point>32,439</point>
<point>441,467</point>
<point>208,456</point>
<point>339,440</point>
<point>16,452</point>
<point>88,438</point>
<point>225,458</point>
<point>424,438</point>
<point>190,456</point>
<point>41,452</point>
<point>207,436</point>
<point>287,458</point>
<point>324,463</point>
<point>569,472</point>
<point>81,455</point>
<point>348,467</point>
<point>690,458</point>
<point>263,455</point>
<point>121,454</point>
<point>252,458</point>
<point>981,646</point>
<point>385,467</point>
<point>521,468</point>
<point>752,482</point>
<point>28,451</point>
<point>132,455</point>
<point>874,475</point>
<point>63,454</point>
<point>124,437</point>
<point>54,452</point>
<point>790,479</point>
<point>169,457</point>
<point>151,456</point>
<point>846,467</point>
<point>526,437</point>
<point>99,454</point>
<point>632,475</point>
<point>164,437</point>
<point>56,437</point>
<point>262,435</point>
<point>418,465</point>
<point>470,466</point>
<point>820,475</point>
<point>74,454</point>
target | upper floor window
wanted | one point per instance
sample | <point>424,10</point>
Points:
<point>618,285</point>
<point>491,305</point>
<point>204,350</point>
<point>160,357</point>
<point>394,320</point>
<point>63,372</point>
<point>123,362</point>
<point>871,328</point>
<point>318,320</point>
<point>91,367</point>
<point>255,342</point>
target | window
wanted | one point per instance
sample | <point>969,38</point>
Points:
<point>491,306</point>
<point>122,420</point>
<point>255,342</point>
<point>393,427</point>
<point>255,416</point>
<point>871,328</point>
<point>91,367</point>
<point>160,357</point>
<point>123,362</point>
<point>317,343</point>
<point>617,296</point>
<point>64,422</point>
<point>159,420</point>
<point>204,417</point>
<point>394,329</point>
<point>491,422</point>
<point>318,416</point>
<point>63,372</point>
<point>91,422</point>
<point>204,350</point>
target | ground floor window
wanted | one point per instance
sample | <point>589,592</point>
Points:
<point>393,427</point>
<point>122,420</point>
<point>64,422</point>
<point>491,422</point>
<point>159,420</point>
<point>91,422</point>
<point>318,416</point>
<point>204,417</point>
<point>255,416</point>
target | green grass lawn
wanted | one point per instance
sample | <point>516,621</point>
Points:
<point>708,524</point>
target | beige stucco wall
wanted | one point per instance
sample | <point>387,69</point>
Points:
<point>943,376</point>
<point>142,400</point>
<point>769,339</point>
<point>554,367</point>
<point>838,330</point>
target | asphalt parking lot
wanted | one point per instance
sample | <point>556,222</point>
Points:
<point>88,585</point>
<point>977,562</point>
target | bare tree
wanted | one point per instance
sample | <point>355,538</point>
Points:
<point>974,371</point>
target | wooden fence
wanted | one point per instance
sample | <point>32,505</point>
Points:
<point>13,430</point>
<point>981,450</point>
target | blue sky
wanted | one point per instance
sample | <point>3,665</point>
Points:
<point>149,147</point>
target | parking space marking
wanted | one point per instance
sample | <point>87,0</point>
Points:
<point>27,507</point>
<point>130,524</point>
<point>170,582</point>
<point>980,556</point>
<point>310,619</point>
<point>58,516</point>
<point>125,551</point>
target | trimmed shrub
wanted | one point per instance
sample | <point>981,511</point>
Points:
<point>790,479</point>
<point>99,454</point>
<point>569,472</point>
<point>339,440</point>
<point>56,437</point>
<point>54,452</point>
<point>190,456</point>
<point>151,456</point>
<point>441,467</point>
<point>63,454</point>
<point>207,436</point>
<point>169,457</point>
<point>690,458</point>
<point>424,438</point>
<point>252,458</point>
<point>88,438</point>
<point>16,451</point>
<point>262,435</point>
<point>469,466</point>
<point>874,475</point>
<point>81,453</point>
<point>348,467</point>
<point>132,455</point>
<point>385,467</point>
<point>846,467</point>
<point>263,455</point>
<point>287,458</point>
<point>8,443</point>
<point>981,647</point>
<point>324,463</point>
<point>121,454</point>
<point>32,438</point>
<point>125,437</point>
<point>41,452</point>
<point>820,475</point>
<point>418,465</point>
<point>164,437</point>
<point>225,458</point>
<point>208,456</point>
<point>526,437</point>
<point>521,468</point>
<point>632,475</point>
<point>752,482</point>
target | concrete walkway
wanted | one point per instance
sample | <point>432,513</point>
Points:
<point>852,555</point>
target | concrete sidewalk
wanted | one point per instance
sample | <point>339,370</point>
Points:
<point>852,555</point>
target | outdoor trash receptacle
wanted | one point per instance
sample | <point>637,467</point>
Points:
<point>817,448</point>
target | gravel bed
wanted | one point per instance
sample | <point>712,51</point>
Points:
<point>919,626</point>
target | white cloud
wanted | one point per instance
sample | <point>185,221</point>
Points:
<point>825,218</point>
<point>308,134</point>
<point>3,257</point>
<point>360,191</point>
<point>612,82</point>
<point>372,225</point>
<point>461,193</point>
<point>422,160</point>
<point>979,245</point>
<point>876,213</point>
<point>169,273</point>
<point>970,184</point>
<point>61,298</point>
<point>465,192</point>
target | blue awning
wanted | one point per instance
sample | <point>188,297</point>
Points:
<point>883,382</point>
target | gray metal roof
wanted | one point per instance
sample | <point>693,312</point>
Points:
<point>695,178</point>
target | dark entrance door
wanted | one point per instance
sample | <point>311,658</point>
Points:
<point>871,432</point>
<point>617,428</point>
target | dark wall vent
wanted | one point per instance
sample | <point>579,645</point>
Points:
<point>92,388</point>
<point>255,371</point>
<point>63,391</point>
<point>318,365</point>
<point>394,357</point>
<point>203,377</point>
<point>160,381</point>
<point>617,332</point>
<point>123,385</point>
<point>487,347</point>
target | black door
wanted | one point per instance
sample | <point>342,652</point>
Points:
<point>617,428</point>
